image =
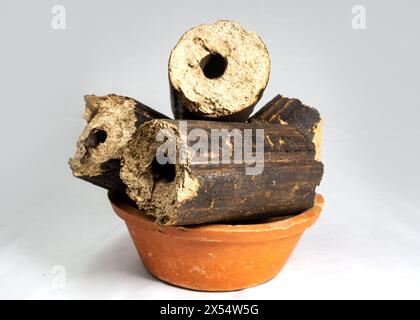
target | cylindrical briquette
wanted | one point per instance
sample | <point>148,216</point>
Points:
<point>195,191</point>
<point>289,111</point>
<point>111,120</point>
<point>218,72</point>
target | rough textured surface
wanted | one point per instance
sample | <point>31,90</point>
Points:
<point>282,110</point>
<point>204,192</point>
<point>111,122</point>
<point>227,95</point>
<point>158,197</point>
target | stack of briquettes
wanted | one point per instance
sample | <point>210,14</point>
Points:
<point>212,163</point>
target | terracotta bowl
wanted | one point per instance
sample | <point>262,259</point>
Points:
<point>217,257</point>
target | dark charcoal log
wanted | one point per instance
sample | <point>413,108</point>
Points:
<point>282,110</point>
<point>218,72</point>
<point>196,191</point>
<point>111,122</point>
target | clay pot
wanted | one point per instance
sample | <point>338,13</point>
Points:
<point>217,257</point>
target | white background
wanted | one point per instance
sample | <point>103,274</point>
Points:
<point>364,82</point>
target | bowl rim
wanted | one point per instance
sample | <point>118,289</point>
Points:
<point>281,227</point>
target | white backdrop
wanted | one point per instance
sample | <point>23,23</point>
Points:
<point>364,82</point>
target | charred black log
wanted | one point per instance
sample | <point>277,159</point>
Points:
<point>274,174</point>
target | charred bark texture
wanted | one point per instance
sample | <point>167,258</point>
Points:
<point>207,193</point>
<point>288,111</point>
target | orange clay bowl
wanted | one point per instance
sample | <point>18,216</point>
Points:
<point>217,257</point>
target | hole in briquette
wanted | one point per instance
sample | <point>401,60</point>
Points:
<point>95,137</point>
<point>163,172</point>
<point>213,65</point>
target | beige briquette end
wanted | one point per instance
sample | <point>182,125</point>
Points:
<point>219,69</point>
<point>158,189</point>
<point>111,123</point>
